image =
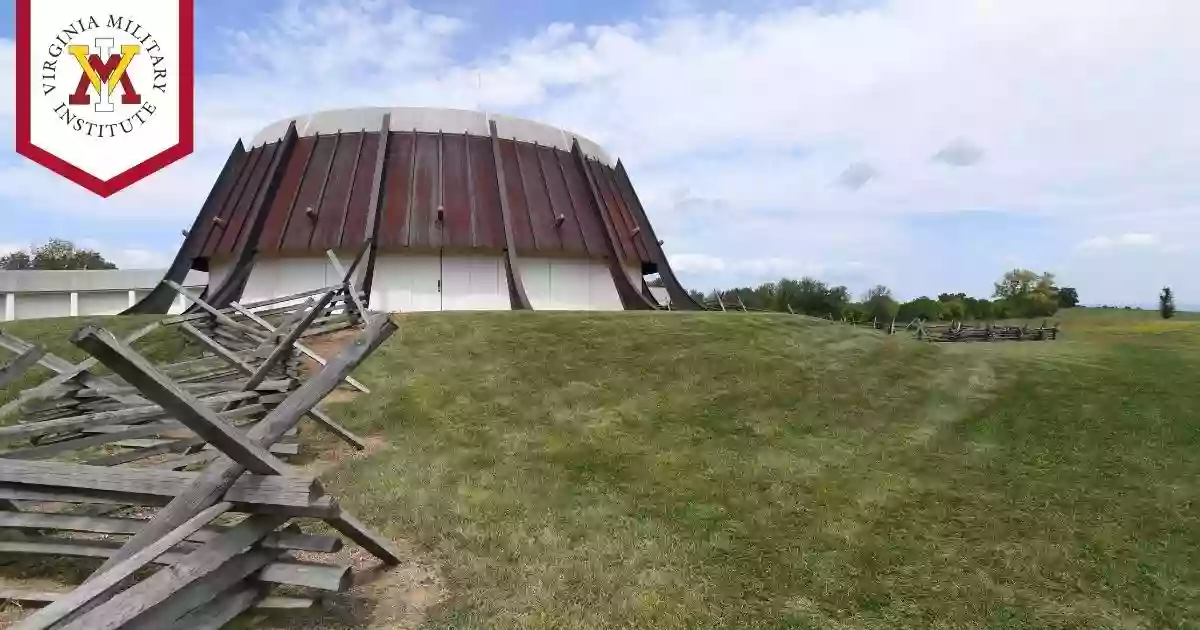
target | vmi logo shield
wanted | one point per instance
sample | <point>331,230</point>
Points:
<point>104,88</point>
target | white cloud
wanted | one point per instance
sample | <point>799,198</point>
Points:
<point>1128,240</point>
<point>1074,109</point>
<point>696,263</point>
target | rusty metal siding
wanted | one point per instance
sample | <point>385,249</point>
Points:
<point>623,218</point>
<point>298,231</point>
<point>554,210</point>
<point>489,224</point>
<point>352,232</point>
<point>537,197</point>
<point>238,219</point>
<point>327,230</point>
<point>569,232</point>
<point>456,227</point>
<point>424,193</point>
<point>623,248</point>
<point>204,226</point>
<point>523,237</point>
<point>393,220</point>
<point>590,225</point>
<point>220,221</point>
<point>280,211</point>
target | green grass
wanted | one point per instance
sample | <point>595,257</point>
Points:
<point>701,471</point>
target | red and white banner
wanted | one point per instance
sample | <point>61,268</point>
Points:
<point>105,87</point>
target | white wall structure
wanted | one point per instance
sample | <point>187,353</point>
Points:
<point>566,284</point>
<point>439,283</point>
<point>40,294</point>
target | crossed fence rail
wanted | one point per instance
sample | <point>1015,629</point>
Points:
<point>197,444</point>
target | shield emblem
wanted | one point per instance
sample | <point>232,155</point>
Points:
<point>104,88</point>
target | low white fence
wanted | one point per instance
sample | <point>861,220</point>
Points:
<point>41,294</point>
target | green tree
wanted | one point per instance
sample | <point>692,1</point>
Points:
<point>1068,297</point>
<point>921,308</point>
<point>1028,294</point>
<point>1166,303</point>
<point>879,304</point>
<point>55,254</point>
<point>954,310</point>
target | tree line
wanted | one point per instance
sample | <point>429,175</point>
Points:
<point>55,254</point>
<point>1020,293</point>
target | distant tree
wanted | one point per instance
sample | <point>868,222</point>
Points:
<point>954,310</point>
<point>879,304</point>
<point>920,308</point>
<point>1028,294</point>
<point>655,282</point>
<point>1068,297</point>
<point>16,261</point>
<point>1001,309</point>
<point>55,254</point>
<point>1166,303</point>
<point>696,295</point>
<point>856,312</point>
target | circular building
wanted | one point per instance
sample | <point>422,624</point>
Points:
<point>458,210</point>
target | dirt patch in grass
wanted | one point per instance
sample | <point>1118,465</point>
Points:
<point>399,597</point>
<point>328,346</point>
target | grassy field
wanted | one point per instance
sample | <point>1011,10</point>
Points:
<point>766,471</point>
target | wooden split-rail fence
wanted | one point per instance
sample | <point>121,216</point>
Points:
<point>172,474</point>
<point>920,329</point>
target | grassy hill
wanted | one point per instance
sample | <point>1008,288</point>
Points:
<point>714,470</point>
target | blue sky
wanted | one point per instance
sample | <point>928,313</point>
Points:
<point>929,145</point>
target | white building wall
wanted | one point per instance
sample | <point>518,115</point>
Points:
<point>415,283</point>
<point>406,283</point>
<point>39,294</point>
<point>555,284</point>
<point>474,283</point>
<point>39,305</point>
<point>103,302</point>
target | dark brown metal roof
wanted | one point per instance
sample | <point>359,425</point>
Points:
<point>421,191</point>
<point>322,199</point>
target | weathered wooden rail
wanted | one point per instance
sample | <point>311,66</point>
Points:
<point>195,447</point>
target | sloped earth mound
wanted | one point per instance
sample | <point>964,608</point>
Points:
<point>671,470</point>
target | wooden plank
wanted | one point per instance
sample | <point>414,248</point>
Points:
<point>333,578</point>
<point>179,462</point>
<point>121,438</point>
<point>285,345</point>
<point>103,583</point>
<point>325,422</point>
<point>49,476</point>
<point>284,540</point>
<point>183,406</point>
<point>353,529</point>
<point>65,371</point>
<point>348,282</point>
<point>222,474</point>
<point>198,577</point>
<point>134,455</point>
<point>217,314</point>
<point>302,348</point>
<point>46,597</point>
<point>18,366</point>
<point>216,348</point>
<point>213,614</point>
<point>74,548</point>
<point>127,415</point>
